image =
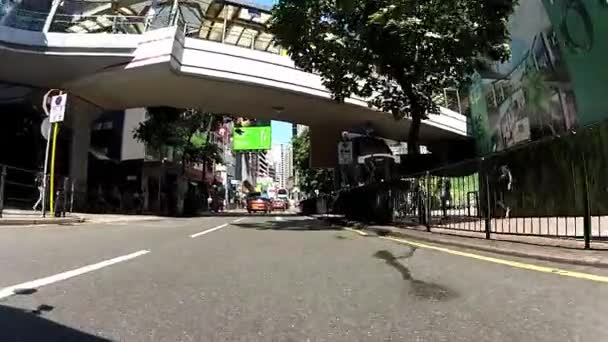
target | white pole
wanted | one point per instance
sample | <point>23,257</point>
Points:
<point>46,162</point>
<point>174,12</point>
<point>225,22</point>
<point>49,18</point>
<point>45,102</point>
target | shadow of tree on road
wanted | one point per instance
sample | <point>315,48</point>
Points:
<point>22,325</point>
<point>419,288</point>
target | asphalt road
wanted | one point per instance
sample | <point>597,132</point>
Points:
<point>284,278</point>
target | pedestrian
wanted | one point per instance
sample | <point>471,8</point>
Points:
<point>505,184</point>
<point>39,183</point>
<point>445,188</point>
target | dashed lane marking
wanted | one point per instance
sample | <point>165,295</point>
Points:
<point>34,284</point>
<point>209,230</point>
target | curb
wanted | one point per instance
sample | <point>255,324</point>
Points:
<point>502,251</point>
<point>39,221</point>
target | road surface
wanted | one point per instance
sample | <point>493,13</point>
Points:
<point>276,278</point>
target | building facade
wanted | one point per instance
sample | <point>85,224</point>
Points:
<point>284,165</point>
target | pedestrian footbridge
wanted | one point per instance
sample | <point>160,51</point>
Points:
<point>209,54</point>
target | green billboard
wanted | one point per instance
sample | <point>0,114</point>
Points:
<point>251,138</point>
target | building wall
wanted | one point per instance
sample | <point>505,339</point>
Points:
<point>131,147</point>
<point>556,80</point>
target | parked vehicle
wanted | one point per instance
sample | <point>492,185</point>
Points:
<point>256,203</point>
<point>280,204</point>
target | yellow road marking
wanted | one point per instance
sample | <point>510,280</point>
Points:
<point>558,271</point>
<point>360,232</point>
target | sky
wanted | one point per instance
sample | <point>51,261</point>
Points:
<point>265,2</point>
<point>281,132</point>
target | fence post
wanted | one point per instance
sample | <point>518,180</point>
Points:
<point>114,24</point>
<point>72,197</point>
<point>428,213</point>
<point>64,199</point>
<point>2,181</point>
<point>488,213</point>
<point>586,206</point>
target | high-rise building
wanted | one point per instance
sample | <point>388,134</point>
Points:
<point>284,165</point>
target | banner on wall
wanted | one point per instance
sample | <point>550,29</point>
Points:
<point>555,81</point>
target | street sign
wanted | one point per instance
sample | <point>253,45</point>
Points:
<point>345,152</point>
<point>58,104</point>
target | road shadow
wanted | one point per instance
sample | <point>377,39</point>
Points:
<point>418,288</point>
<point>22,325</point>
<point>289,225</point>
<point>246,214</point>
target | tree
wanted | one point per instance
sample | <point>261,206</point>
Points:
<point>397,53</point>
<point>187,131</point>
<point>309,179</point>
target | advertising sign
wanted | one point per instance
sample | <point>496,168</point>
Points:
<point>251,138</point>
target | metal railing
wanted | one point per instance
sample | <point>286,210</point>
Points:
<point>244,38</point>
<point>116,24</point>
<point>124,24</point>
<point>549,188</point>
<point>76,23</point>
<point>21,189</point>
<point>24,19</point>
<point>449,98</point>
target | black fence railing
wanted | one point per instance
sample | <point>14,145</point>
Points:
<point>550,188</point>
<point>22,190</point>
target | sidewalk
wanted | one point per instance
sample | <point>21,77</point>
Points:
<point>17,217</point>
<point>562,251</point>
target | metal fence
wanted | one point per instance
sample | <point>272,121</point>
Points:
<point>21,191</point>
<point>24,19</point>
<point>116,24</point>
<point>550,188</point>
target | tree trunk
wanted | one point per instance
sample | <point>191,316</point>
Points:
<point>414,134</point>
<point>416,113</point>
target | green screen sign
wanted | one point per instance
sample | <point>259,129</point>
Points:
<point>251,138</point>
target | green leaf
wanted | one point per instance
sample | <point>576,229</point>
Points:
<point>398,53</point>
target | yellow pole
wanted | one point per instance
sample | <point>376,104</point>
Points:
<point>51,180</point>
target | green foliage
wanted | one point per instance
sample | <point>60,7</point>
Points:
<point>309,179</point>
<point>398,53</point>
<point>185,130</point>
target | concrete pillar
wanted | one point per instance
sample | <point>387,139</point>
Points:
<point>324,146</point>
<point>79,155</point>
<point>79,117</point>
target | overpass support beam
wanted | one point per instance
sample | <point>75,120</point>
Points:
<point>80,115</point>
<point>324,146</point>
<point>79,156</point>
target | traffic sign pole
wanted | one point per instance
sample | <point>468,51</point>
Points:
<point>45,107</point>
<point>56,112</point>
<point>51,179</point>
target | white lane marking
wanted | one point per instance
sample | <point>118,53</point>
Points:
<point>278,218</point>
<point>238,220</point>
<point>209,230</point>
<point>34,284</point>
